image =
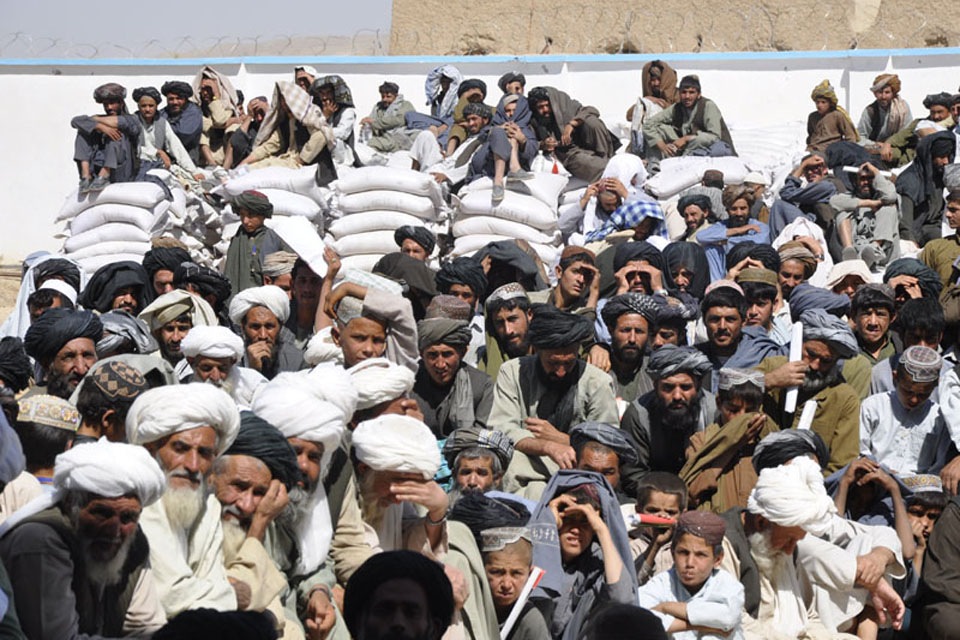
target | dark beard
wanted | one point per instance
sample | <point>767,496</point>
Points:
<point>628,356</point>
<point>683,419</point>
<point>514,350</point>
<point>815,381</point>
<point>58,384</point>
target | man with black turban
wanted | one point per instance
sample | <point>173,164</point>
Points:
<point>512,82</point>
<point>205,282</point>
<point>901,147</point>
<point>251,480</point>
<point>160,263</point>
<point>463,277</point>
<point>538,398</point>
<point>15,367</point>
<point>574,132</point>
<point>64,343</point>
<point>921,188</point>
<point>470,94</point>
<point>450,393</point>
<point>630,318</point>
<point>416,242</point>
<point>118,285</point>
<point>106,148</point>
<point>387,122</point>
<point>59,269</point>
<point>252,242</point>
<point>910,278</point>
<point>185,117</point>
<point>398,579</point>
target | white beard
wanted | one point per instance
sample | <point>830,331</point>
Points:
<point>233,538</point>
<point>105,574</point>
<point>770,562</point>
<point>370,508</point>
<point>184,505</point>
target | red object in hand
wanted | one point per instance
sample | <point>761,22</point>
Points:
<point>556,169</point>
<point>656,521</point>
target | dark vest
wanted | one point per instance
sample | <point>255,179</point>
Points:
<point>697,124</point>
<point>99,614</point>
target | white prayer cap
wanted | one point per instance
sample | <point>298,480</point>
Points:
<point>163,411</point>
<point>60,287</point>
<point>793,495</point>
<point>321,349</point>
<point>307,69</point>
<point>270,296</point>
<point>394,442</point>
<point>212,342</point>
<point>296,405</point>
<point>755,177</point>
<point>378,380</point>
<point>848,268</point>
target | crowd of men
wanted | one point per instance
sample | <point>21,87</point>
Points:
<point>704,438</point>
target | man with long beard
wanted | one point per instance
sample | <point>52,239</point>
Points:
<point>213,354</point>
<point>77,559</point>
<point>660,423</point>
<point>826,340</point>
<point>63,342</point>
<point>185,427</point>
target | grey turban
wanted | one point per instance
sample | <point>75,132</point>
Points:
<point>469,437</point>
<point>122,331</point>
<point>431,331</point>
<point>478,109</point>
<point>670,360</point>
<point>109,92</point>
<point>632,302</point>
<point>820,325</point>
<point>605,434</point>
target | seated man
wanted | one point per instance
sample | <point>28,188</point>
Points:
<point>185,116</point>
<point>661,423</point>
<point>260,313</point>
<point>867,219</point>
<point>904,429</point>
<point>883,117</point>
<point>106,146</point>
<point>507,320</point>
<point>118,285</point>
<point>711,185</point>
<point>940,254</point>
<point>719,471</point>
<point>416,242</point>
<point>161,261</point>
<point>575,133</point>
<point>809,198</point>
<point>903,143</point>
<point>629,317</point>
<point>939,606</point>
<point>512,82</point>
<point>46,426</point>
<point>510,147</point>
<point>828,123</point>
<point>578,284</point>
<point>826,340</point>
<point>692,126</point>
<point>105,397</point>
<point>872,309</point>
<point>601,199</point>
<point>63,343</point>
<point>252,243</point>
<point>696,596</point>
<point>719,238</point>
<point>170,318</point>
<point>333,97</point>
<point>278,270</point>
<point>477,458</point>
<point>920,321</point>
<point>454,166</point>
<point>243,140</point>
<point>386,122</point>
<point>538,398</point>
<point>221,108</point>
<point>159,146</point>
<point>213,354</point>
<point>921,188</point>
<point>76,557</point>
<point>603,448</point>
<point>696,211</point>
<point>450,393</point>
<point>185,428</point>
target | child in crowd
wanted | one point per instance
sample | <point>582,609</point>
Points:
<point>508,561</point>
<point>664,495</point>
<point>924,507</point>
<point>696,599</point>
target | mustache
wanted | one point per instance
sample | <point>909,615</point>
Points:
<point>192,476</point>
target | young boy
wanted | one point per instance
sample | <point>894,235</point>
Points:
<point>696,599</point>
<point>664,495</point>
<point>924,507</point>
<point>252,243</point>
<point>508,560</point>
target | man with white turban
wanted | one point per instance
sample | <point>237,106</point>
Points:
<point>170,318</point>
<point>77,559</point>
<point>798,585</point>
<point>311,409</point>
<point>186,427</point>
<point>261,312</point>
<point>382,387</point>
<point>396,460</point>
<point>826,341</point>
<point>212,354</point>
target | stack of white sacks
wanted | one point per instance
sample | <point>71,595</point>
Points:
<point>373,202</point>
<point>528,212</point>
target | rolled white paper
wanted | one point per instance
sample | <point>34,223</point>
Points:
<point>806,418</point>
<point>535,574</point>
<point>796,352</point>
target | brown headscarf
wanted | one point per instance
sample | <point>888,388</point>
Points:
<point>668,80</point>
<point>734,192</point>
<point>798,251</point>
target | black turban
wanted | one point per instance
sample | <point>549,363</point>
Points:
<point>15,368</point>
<point>56,327</point>
<point>630,302</point>
<point>164,259</point>
<point>206,280</point>
<point>389,87</point>
<point>782,446</point>
<point>472,83</point>
<point>255,202</point>
<point>109,92</point>
<point>421,235</point>
<point>943,147</point>
<point>552,328</point>
<point>702,201</point>
<point>942,99</point>
<point>413,273</point>
<point>398,565</point>
<point>930,283</point>
<point>480,512</point>
<point>693,258</point>
<point>177,88</point>
<point>57,268</point>
<point>152,92</point>
<point>259,439</point>
<point>538,94</point>
<point>633,251</point>
<point>465,271</point>
<point>509,77</point>
<point>478,109</point>
<point>208,624</point>
<point>110,278</point>
<point>762,252</point>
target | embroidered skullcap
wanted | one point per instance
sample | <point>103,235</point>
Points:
<point>703,524</point>
<point>49,411</point>
<point>116,379</point>
<point>922,483</point>
<point>509,291</point>
<point>732,377</point>
<point>497,538</point>
<point>922,363</point>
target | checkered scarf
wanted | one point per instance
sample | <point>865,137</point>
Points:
<point>628,216</point>
<point>301,107</point>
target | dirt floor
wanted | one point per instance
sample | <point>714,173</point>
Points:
<point>8,294</point>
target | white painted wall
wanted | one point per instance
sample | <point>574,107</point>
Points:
<point>38,98</point>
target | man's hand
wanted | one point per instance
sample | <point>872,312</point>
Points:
<point>486,263</point>
<point>744,230</point>
<point>680,143</point>
<point>910,284</point>
<point>753,429</point>
<point>656,276</point>
<point>345,289</point>
<point>562,454</point>
<point>950,476</point>
<point>810,244</point>
<point>320,616</point>
<point>746,263</point>
<point>244,595</point>
<point>887,604</point>
<point>198,176</point>
<point>567,136</point>
<point>667,150</point>
<point>614,184</point>
<point>111,132</point>
<point>426,493</point>
<point>256,352</point>
<point>623,285</point>
<point>599,357</point>
<point>461,590</point>
<point>164,158</point>
<point>410,408</point>
<point>271,505</point>
<point>791,374</point>
<point>549,144</point>
<point>866,166</point>
<point>366,120</point>
<point>886,152</point>
<point>916,527</point>
<point>332,258</point>
<point>871,567</point>
<point>440,177</point>
<point>546,431</point>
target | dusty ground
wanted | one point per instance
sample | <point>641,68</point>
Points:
<point>8,295</point>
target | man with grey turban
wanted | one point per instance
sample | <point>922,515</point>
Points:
<point>261,313</point>
<point>661,422</point>
<point>106,146</point>
<point>278,269</point>
<point>124,333</point>
<point>477,457</point>
<point>826,341</point>
<point>78,560</point>
<point>630,318</point>
<point>416,242</point>
<point>63,342</point>
<point>603,448</point>
<point>451,393</point>
<point>538,398</point>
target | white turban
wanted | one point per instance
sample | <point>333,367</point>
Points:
<point>62,287</point>
<point>792,495</point>
<point>212,342</point>
<point>378,380</point>
<point>270,296</point>
<point>393,442</point>
<point>174,304</point>
<point>102,468</point>
<point>163,411</point>
<point>321,348</point>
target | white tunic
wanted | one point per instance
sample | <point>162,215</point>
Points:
<point>718,604</point>
<point>908,442</point>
